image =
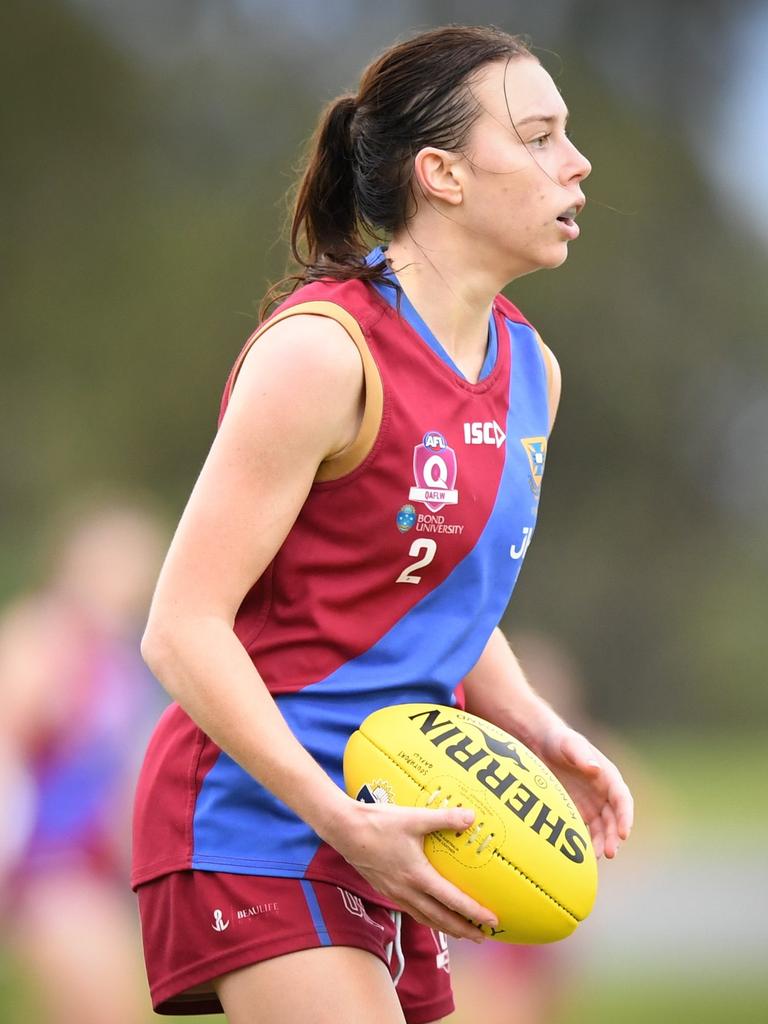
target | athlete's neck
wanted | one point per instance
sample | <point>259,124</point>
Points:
<point>454,303</point>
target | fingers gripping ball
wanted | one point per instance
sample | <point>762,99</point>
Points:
<point>527,857</point>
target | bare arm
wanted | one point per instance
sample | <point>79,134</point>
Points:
<point>496,689</point>
<point>297,400</point>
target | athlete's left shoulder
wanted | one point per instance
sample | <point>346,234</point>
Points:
<point>551,366</point>
<point>509,310</point>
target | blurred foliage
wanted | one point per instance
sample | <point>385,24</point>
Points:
<point>141,219</point>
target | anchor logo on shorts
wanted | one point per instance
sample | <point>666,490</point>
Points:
<point>219,924</point>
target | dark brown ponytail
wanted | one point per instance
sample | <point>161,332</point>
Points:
<point>325,212</point>
<point>356,185</point>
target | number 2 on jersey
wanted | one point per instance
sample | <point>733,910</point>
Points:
<point>429,549</point>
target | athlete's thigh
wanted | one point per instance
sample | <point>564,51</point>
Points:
<point>324,985</point>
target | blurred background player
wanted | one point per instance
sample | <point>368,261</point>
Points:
<point>77,702</point>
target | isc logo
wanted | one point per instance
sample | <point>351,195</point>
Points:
<point>484,433</point>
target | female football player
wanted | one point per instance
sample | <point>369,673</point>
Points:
<point>352,542</point>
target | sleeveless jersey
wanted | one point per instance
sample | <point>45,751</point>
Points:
<point>386,589</point>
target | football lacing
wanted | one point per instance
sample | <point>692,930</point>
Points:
<point>474,833</point>
<point>445,802</point>
<point>485,842</point>
<point>474,837</point>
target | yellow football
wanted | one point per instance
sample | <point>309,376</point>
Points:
<point>528,856</point>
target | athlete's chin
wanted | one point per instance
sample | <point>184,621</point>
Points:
<point>548,259</point>
<point>554,257</point>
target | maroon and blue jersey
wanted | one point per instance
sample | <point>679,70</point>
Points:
<point>386,589</point>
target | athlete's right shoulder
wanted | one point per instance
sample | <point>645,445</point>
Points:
<point>310,346</point>
<point>305,366</point>
<point>323,319</point>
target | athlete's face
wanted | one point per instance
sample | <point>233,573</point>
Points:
<point>522,171</point>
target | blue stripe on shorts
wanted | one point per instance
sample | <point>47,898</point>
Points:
<point>314,909</point>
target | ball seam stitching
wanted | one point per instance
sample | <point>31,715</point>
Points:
<point>544,892</point>
<point>501,856</point>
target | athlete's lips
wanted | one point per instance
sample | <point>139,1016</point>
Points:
<point>574,209</point>
<point>567,219</point>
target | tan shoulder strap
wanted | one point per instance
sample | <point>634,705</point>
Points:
<point>349,457</point>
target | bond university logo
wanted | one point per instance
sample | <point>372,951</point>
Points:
<point>536,450</point>
<point>434,470</point>
<point>406,518</point>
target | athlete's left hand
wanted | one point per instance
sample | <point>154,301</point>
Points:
<point>594,783</point>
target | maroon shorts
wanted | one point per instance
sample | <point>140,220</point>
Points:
<point>197,925</point>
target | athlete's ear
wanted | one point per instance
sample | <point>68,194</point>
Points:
<point>435,177</point>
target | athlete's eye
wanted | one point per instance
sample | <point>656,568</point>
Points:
<point>540,141</point>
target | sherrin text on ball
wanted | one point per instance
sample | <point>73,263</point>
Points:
<point>528,855</point>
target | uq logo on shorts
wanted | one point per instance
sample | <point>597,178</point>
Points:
<point>443,958</point>
<point>434,470</point>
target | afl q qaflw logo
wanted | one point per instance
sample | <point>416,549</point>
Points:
<point>434,470</point>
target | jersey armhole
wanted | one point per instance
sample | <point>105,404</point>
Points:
<point>351,455</point>
<point>552,372</point>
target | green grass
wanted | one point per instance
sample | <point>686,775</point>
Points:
<point>651,1000</point>
<point>16,1004</point>
<point>717,776</point>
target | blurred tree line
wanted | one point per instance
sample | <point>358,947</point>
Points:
<point>142,212</point>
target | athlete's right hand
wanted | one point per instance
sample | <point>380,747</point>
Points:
<point>385,844</point>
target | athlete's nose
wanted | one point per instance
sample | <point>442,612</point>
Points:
<point>580,168</point>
